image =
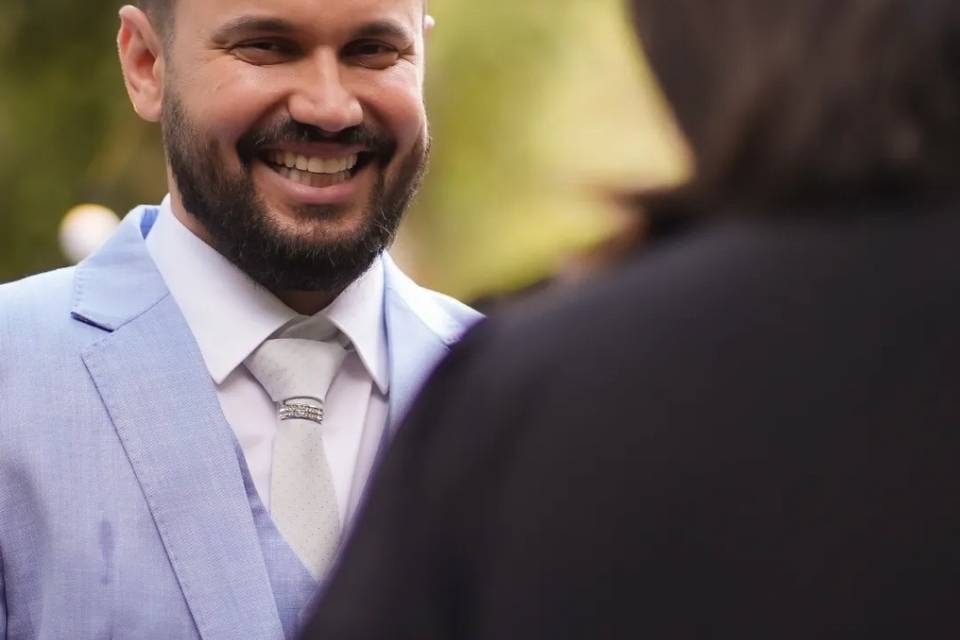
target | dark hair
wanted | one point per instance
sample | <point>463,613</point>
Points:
<point>160,13</point>
<point>786,101</point>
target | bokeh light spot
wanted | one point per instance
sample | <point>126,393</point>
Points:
<point>84,229</point>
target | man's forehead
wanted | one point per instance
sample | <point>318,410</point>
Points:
<point>213,18</point>
<point>323,14</point>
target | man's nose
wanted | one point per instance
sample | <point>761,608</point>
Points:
<point>322,98</point>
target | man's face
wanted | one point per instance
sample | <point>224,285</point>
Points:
<point>295,130</point>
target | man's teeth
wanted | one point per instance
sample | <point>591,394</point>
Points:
<point>317,180</point>
<point>313,164</point>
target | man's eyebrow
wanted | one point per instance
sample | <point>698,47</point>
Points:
<point>257,24</point>
<point>384,29</point>
<point>247,24</point>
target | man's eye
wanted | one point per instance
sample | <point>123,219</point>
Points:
<point>265,46</point>
<point>375,55</point>
<point>262,51</point>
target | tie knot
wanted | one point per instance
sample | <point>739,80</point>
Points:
<point>297,373</point>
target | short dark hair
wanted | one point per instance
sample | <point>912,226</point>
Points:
<point>791,100</point>
<point>160,13</point>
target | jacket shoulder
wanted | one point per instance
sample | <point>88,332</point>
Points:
<point>36,324</point>
<point>37,298</point>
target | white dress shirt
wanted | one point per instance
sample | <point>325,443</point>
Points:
<point>230,316</point>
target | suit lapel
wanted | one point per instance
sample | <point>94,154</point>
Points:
<point>419,335</point>
<point>151,377</point>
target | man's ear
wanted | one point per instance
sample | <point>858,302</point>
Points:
<point>428,24</point>
<point>141,58</point>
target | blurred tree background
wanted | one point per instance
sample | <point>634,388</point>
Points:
<point>539,109</point>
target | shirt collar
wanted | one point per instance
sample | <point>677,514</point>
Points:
<point>230,315</point>
<point>358,313</point>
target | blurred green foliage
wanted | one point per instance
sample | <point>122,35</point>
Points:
<point>538,109</point>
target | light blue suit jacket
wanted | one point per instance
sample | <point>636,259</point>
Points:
<point>123,511</point>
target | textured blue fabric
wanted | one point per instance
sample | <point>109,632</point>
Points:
<point>124,510</point>
<point>293,586</point>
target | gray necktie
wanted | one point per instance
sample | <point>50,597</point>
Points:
<point>297,374</point>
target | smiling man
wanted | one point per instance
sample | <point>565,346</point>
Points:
<point>189,417</point>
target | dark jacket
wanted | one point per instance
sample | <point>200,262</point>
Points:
<point>753,432</point>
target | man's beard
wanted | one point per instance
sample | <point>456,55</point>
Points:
<point>238,223</point>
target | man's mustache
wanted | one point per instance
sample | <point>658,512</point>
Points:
<point>292,132</point>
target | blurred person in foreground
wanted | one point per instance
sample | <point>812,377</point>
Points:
<point>162,470</point>
<point>754,431</point>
